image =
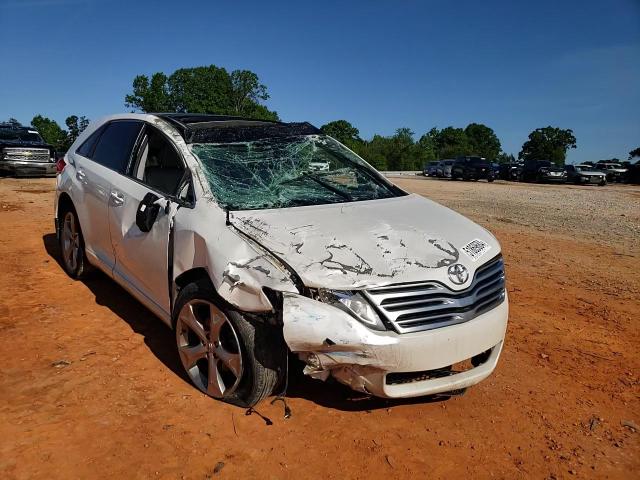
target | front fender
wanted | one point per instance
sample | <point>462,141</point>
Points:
<point>238,268</point>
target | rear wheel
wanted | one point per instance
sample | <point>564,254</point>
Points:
<point>224,354</point>
<point>74,259</point>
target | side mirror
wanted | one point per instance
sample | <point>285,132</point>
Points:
<point>147,212</point>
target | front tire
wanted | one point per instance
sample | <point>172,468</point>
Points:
<point>225,354</point>
<point>74,260</point>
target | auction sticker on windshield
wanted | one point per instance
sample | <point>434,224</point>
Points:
<point>475,249</point>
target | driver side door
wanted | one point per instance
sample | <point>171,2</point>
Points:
<point>154,177</point>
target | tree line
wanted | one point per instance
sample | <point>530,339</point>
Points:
<point>212,89</point>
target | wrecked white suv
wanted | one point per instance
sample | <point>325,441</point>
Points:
<point>226,229</point>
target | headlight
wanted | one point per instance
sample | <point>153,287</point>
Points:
<point>354,304</point>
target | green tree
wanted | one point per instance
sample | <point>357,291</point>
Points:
<point>427,146</point>
<point>342,131</point>
<point>371,152</point>
<point>206,89</point>
<point>548,143</point>
<point>14,122</point>
<point>246,90</point>
<point>634,153</point>
<point>75,126</point>
<point>50,131</point>
<point>453,142</point>
<point>482,141</point>
<point>504,157</point>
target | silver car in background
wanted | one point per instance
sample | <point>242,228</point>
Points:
<point>443,170</point>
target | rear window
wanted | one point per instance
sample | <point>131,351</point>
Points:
<point>116,142</point>
<point>86,149</point>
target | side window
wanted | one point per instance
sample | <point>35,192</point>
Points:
<point>114,147</point>
<point>159,164</point>
<point>86,149</point>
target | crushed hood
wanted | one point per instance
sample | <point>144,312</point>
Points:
<point>370,243</point>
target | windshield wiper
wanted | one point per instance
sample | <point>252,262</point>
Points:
<point>326,185</point>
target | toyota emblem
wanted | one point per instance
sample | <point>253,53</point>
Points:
<point>458,274</point>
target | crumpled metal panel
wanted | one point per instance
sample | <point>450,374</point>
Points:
<point>238,268</point>
<point>367,244</point>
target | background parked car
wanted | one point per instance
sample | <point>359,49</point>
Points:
<point>23,152</point>
<point>633,173</point>
<point>542,171</point>
<point>443,170</point>
<point>430,169</point>
<point>582,174</point>
<point>510,171</point>
<point>615,172</point>
<point>472,168</point>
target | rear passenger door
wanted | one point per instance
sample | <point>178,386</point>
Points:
<point>142,257</point>
<point>99,163</point>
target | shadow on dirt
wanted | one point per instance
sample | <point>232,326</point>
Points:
<point>157,335</point>
<point>160,340</point>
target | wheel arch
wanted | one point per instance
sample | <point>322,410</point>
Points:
<point>64,204</point>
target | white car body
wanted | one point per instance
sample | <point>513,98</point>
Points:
<point>377,247</point>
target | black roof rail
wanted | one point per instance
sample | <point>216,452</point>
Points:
<point>209,128</point>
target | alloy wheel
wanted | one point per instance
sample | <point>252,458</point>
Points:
<point>70,241</point>
<point>209,348</point>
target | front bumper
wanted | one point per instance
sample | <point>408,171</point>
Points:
<point>330,341</point>
<point>21,168</point>
<point>554,179</point>
<point>597,179</point>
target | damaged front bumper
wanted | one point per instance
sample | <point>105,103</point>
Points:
<point>387,364</point>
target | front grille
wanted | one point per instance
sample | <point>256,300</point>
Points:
<point>27,154</point>
<point>412,307</point>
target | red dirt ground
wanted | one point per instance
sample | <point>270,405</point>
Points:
<point>91,386</point>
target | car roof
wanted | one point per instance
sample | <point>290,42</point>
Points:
<point>207,128</point>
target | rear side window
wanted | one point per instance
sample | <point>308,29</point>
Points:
<point>86,149</point>
<point>116,142</point>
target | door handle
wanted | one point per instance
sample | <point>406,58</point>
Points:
<point>80,175</point>
<point>117,198</point>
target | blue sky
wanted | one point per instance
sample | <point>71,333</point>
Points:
<point>513,65</point>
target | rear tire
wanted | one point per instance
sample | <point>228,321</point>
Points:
<point>74,259</point>
<point>255,350</point>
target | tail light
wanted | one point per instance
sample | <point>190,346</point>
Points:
<point>60,164</point>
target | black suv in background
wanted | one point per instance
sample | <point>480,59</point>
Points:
<point>542,171</point>
<point>510,171</point>
<point>24,152</point>
<point>472,168</point>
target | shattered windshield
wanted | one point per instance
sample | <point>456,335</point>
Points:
<point>288,172</point>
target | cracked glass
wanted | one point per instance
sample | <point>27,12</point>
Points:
<point>288,172</point>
